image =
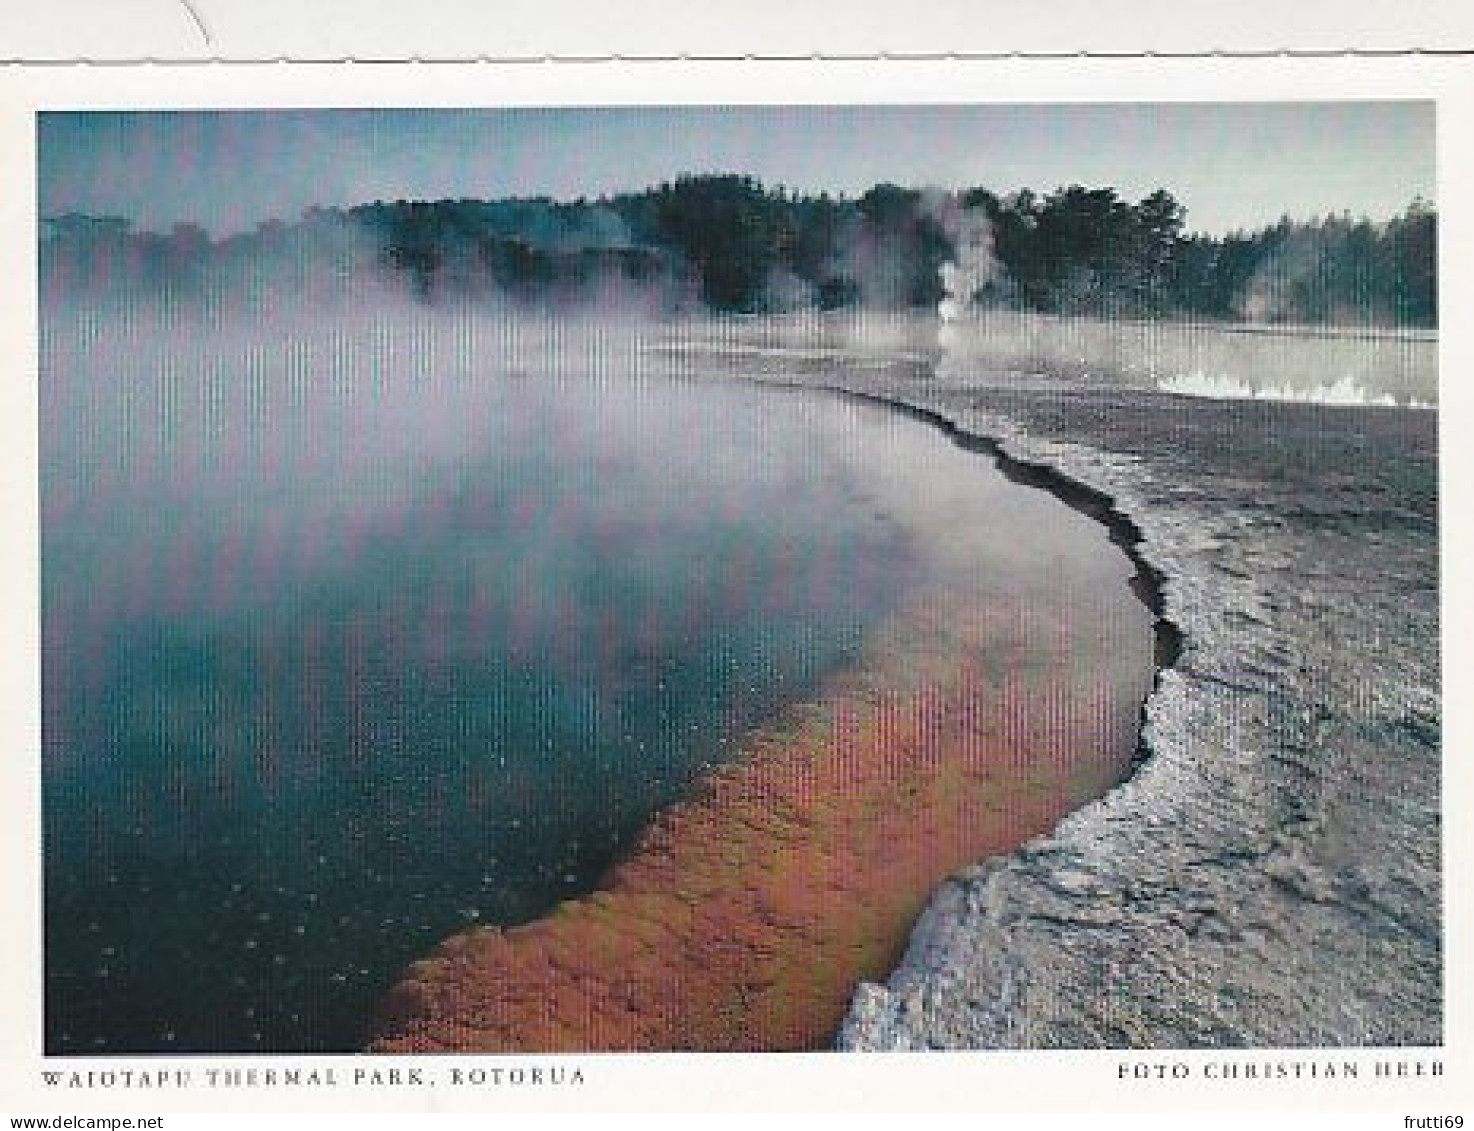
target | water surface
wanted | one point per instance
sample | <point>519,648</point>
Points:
<point>356,634</point>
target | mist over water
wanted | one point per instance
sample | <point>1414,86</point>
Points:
<point>367,623</point>
<point>360,630</point>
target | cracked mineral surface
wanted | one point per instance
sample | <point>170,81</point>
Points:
<point>1269,875</point>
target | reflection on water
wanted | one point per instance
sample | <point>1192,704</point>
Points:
<point>1343,392</point>
<point>1322,364</point>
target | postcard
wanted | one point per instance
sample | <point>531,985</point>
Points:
<point>809,584</point>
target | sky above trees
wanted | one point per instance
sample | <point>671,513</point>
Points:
<point>1233,166</point>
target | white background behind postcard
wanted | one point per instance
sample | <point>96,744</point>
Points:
<point>132,29</point>
<point>460,29</point>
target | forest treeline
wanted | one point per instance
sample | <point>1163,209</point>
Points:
<point>727,243</point>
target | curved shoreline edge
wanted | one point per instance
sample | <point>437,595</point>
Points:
<point>1269,873</point>
<point>1101,506</point>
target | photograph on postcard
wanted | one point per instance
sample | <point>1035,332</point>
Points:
<point>740,578</point>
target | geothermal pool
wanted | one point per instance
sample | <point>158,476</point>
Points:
<point>358,637</point>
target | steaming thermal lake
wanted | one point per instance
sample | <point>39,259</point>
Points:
<point>359,634</point>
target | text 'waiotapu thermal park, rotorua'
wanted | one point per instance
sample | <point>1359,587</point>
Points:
<point>724,617</point>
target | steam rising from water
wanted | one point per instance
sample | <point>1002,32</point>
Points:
<point>972,269</point>
<point>359,629</point>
